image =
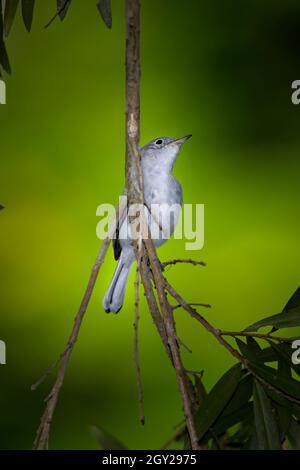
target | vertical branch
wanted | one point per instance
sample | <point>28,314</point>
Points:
<point>134,185</point>
<point>133,168</point>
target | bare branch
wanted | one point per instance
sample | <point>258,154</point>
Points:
<point>42,437</point>
<point>191,304</point>
<point>268,337</point>
<point>186,261</point>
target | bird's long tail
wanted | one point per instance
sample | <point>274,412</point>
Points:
<point>114,297</point>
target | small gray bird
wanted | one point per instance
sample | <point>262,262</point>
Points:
<point>163,201</point>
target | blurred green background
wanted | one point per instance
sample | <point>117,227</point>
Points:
<point>219,70</point>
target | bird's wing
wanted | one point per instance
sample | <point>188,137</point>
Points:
<point>116,240</point>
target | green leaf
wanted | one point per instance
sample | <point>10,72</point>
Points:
<point>267,355</point>
<point>253,344</point>
<point>105,440</point>
<point>288,386</point>
<point>280,320</point>
<point>293,302</point>
<point>241,395</point>
<point>243,434</point>
<point>265,423</point>
<point>9,14</point>
<point>62,7</point>
<point>249,351</point>
<point>294,434</point>
<point>4,60</point>
<point>285,352</point>
<point>27,13</point>
<point>104,8</point>
<point>217,399</point>
<point>293,408</point>
<point>225,422</point>
<point>284,420</point>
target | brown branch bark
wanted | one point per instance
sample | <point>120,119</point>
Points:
<point>182,261</point>
<point>42,437</point>
<point>134,185</point>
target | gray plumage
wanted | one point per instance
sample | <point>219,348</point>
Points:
<point>163,201</point>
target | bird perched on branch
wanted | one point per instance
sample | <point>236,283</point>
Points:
<point>162,206</point>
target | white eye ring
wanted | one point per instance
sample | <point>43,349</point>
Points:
<point>159,142</point>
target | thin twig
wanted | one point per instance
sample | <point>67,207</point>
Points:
<point>192,304</point>
<point>42,437</point>
<point>183,345</point>
<point>187,261</point>
<point>136,350</point>
<point>267,337</point>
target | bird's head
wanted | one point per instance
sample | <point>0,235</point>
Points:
<point>163,151</point>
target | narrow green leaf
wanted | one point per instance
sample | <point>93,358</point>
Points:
<point>284,420</point>
<point>9,14</point>
<point>225,422</point>
<point>4,60</point>
<point>104,8</point>
<point>285,352</point>
<point>294,434</point>
<point>253,344</point>
<point>27,13</point>
<point>293,408</point>
<point>293,302</point>
<point>243,434</point>
<point>288,386</point>
<point>248,351</point>
<point>265,423</point>
<point>241,395</point>
<point>217,399</point>
<point>267,355</point>
<point>105,440</point>
<point>280,320</point>
<point>62,7</point>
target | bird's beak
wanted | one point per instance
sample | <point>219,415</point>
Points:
<point>182,140</point>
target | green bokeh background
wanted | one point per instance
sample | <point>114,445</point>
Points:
<point>219,70</point>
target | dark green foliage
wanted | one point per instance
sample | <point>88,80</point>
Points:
<point>27,13</point>
<point>62,8</point>
<point>256,406</point>
<point>9,14</point>
<point>266,426</point>
<point>7,18</point>
<point>216,400</point>
<point>104,8</point>
<point>4,61</point>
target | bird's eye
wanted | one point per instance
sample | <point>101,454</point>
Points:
<point>158,142</point>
